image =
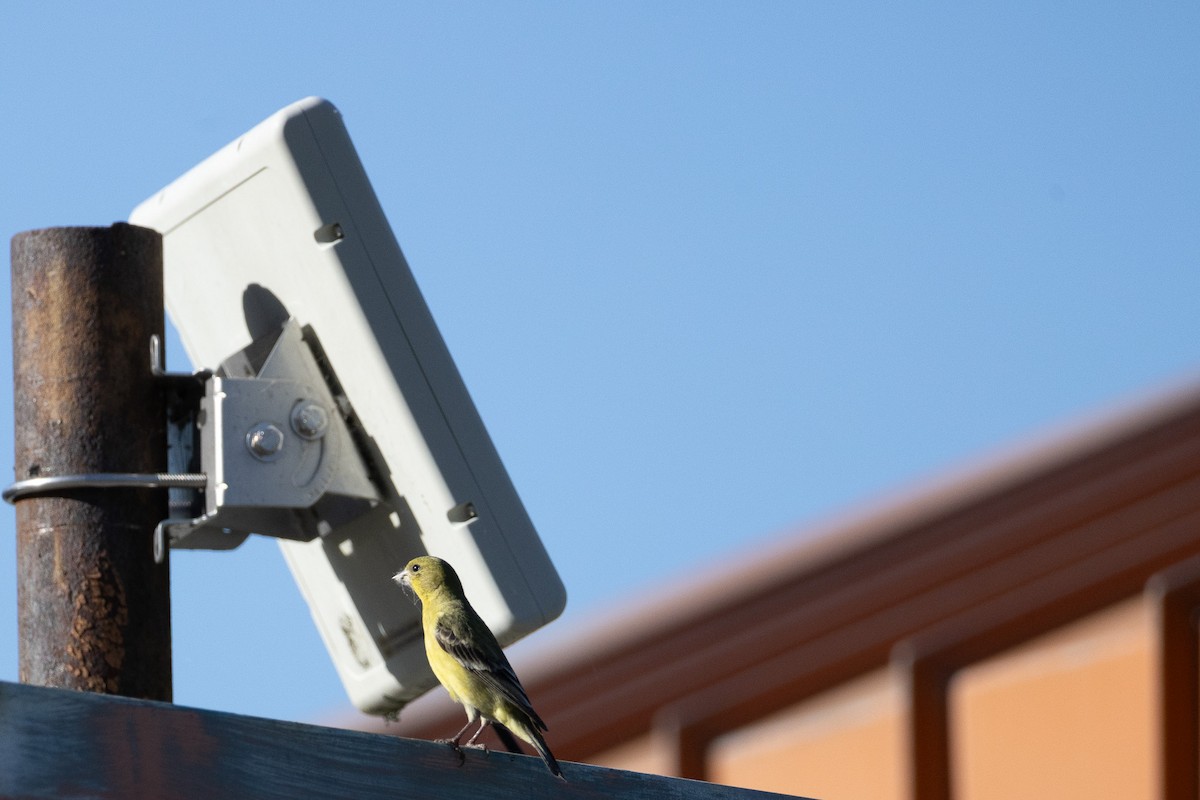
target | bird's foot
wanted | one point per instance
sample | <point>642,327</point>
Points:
<point>462,757</point>
<point>478,746</point>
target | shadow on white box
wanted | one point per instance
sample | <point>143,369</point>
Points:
<point>284,222</point>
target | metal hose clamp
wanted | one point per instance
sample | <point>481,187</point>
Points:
<point>38,487</point>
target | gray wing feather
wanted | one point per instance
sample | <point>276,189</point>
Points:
<point>491,665</point>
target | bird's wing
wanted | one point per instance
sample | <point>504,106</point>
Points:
<point>489,663</point>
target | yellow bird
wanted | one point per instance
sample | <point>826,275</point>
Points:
<point>467,659</point>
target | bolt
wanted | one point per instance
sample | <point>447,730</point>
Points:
<point>309,420</point>
<point>265,441</point>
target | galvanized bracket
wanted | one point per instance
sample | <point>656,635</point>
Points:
<point>264,445</point>
<point>276,447</point>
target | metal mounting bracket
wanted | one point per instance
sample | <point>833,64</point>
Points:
<point>263,446</point>
<point>276,447</point>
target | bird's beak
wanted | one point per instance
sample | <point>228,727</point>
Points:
<point>405,580</point>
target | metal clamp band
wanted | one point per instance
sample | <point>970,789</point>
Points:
<point>32,487</point>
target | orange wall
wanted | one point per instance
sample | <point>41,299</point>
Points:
<point>1068,715</point>
<point>844,743</point>
<point>644,754</point>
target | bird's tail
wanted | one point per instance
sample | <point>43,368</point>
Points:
<point>531,734</point>
<point>539,744</point>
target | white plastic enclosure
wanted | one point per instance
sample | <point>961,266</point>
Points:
<point>284,218</point>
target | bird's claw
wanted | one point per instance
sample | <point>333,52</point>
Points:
<point>479,746</point>
<point>462,757</point>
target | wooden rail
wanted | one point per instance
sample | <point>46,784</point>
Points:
<point>63,744</point>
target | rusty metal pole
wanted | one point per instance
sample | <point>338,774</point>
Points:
<point>93,606</point>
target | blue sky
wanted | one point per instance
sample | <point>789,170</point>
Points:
<point>710,270</point>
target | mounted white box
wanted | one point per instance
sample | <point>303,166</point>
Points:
<point>284,223</point>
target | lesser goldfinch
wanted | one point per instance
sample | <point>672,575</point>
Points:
<point>467,659</point>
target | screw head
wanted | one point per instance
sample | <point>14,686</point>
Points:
<point>309,420</point>
<point>265,441</point>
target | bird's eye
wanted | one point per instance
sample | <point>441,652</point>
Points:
<point>415,568</point>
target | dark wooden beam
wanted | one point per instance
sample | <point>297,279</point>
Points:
<point>60,743</point>
<point>1174,595</point>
